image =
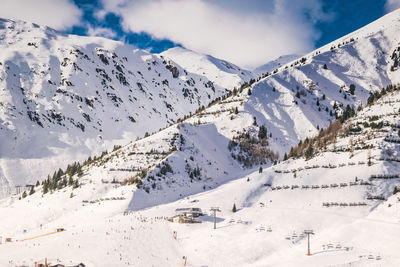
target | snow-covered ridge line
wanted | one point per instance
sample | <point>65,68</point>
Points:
<point>374,28</point>
<point>65,97</point>
<point>298,102</point>
<point>335,198</point>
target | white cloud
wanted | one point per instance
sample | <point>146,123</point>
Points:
<point>58,14</point>
<point>392,5</point>
<point>103,32</point>
<point>245,38</point>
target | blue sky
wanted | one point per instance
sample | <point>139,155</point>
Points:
<point>113,22</point>
<point>349,16</point>
<point>246,32</point>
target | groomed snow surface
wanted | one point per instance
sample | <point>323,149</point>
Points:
<point>265,231</point>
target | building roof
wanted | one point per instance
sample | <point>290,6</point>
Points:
<point>188,210</point>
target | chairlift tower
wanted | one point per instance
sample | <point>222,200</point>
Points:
<point>308,233</point>
<point>215,210</point>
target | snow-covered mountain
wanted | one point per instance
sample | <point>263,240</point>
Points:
<point>302,96</point>
<point>344,192</point>
<point>220,72</point>
<point>274,64</point>
<point>340,180</point>
<point>64,97</point>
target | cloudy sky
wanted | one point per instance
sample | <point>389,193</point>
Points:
<point>246,32</point>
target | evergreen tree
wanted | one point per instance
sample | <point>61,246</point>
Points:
<point>70,181</point>
<point>309,152</point>
<point>369,158</point>
<point>79,170</point>
<point>24,194</point>
<point>325,67</point>
<point>72,195</point>
<point>396,190</point>
<point>76,184</point>
<point>285,157</point>
<point>45,187</point>
<point>234,208</point>
<point>262,132</point>
<point>371,98</point>
<point>254,121</point>
<point>260,170</point>
<point>37,183</point>
<point>352,89</point>
<point>31,191</point>
<point>249,92</point>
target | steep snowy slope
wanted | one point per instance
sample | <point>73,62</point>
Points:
<point>344,193</point>
<point>64,97</point>
<point>218,71</point>
<point>299,97</point>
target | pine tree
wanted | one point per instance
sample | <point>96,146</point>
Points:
<point>325,67</point>
<point>262,132</point>
<point>249,92</point>
<point>309,152</point>
<point>369,158</point>
<point>24,194</point>
<point>32,191</point>
<point>285,157</point>
<point>45,187</point>
<point>76,184</point>
<point>70,181</point>
<point>37,183</point>
<point>352,89</point>
<point>396,190</point>
<point>72,195</point>
<point>234,208</point>
<point>260,170</point>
